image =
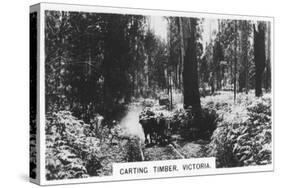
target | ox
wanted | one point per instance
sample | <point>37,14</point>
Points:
<point>155,129</point>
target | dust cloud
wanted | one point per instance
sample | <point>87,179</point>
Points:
<point>130,123</point>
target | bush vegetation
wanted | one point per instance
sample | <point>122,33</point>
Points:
<point>72,151</point>
<point>243,134</point>
<point>75,149</point>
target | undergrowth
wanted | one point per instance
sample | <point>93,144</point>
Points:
<point>243,133</point>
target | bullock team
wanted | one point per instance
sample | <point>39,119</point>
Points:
<point>160,125</point>
<point>156,127</point>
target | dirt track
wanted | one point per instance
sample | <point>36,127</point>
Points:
<point>175,151</point>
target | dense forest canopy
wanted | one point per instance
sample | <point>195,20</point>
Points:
<point>97,62</point>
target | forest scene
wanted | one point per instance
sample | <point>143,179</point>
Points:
<point>124,88</point>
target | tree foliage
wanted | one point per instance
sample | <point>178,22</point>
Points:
<point>243,136</point>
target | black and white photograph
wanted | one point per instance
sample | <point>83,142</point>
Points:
<point>139,94</point>
<point>125,88</point>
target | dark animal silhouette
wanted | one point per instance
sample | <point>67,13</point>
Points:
<point>155,129</point>
<point>149,126</point>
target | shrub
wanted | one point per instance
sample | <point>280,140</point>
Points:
<point>243,136</point>
<point>70,150</point>
<point>194,126</point>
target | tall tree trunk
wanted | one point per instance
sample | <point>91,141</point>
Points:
<point>171,96</point>
<point>147,62</point>
<point>259,56</point>
<point>235,61</point>
<point>181,51</point>
<point>267,84</point>
<point>246,67</point>
<point>178,74</point>
<point>244,38</point>
<point>190,73</point>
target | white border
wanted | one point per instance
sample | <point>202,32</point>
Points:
<point>42,95</point>
<point>121,10</point>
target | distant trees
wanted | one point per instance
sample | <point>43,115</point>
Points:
<point>96,63</point>
<point>56,34</point>
<point>245,48</point>
<point>185,53</point>
<point>206,69</point>
<point>240,57</point>
<point>117,65</point>
<point>92,60</point>
<point>229,38</point>
<point>235,60</point>
<point>156,64</point>
<point>176,50</point>
<point>217,69</point>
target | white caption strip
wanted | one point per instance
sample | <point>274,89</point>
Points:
<point>179,167</point>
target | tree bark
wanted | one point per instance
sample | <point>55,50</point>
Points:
<point>190,73</point>
<point>259,56</point>
<point>244,39</point>
<point>235,61</point>
<point>267,84</point>
<point>181,52</point>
